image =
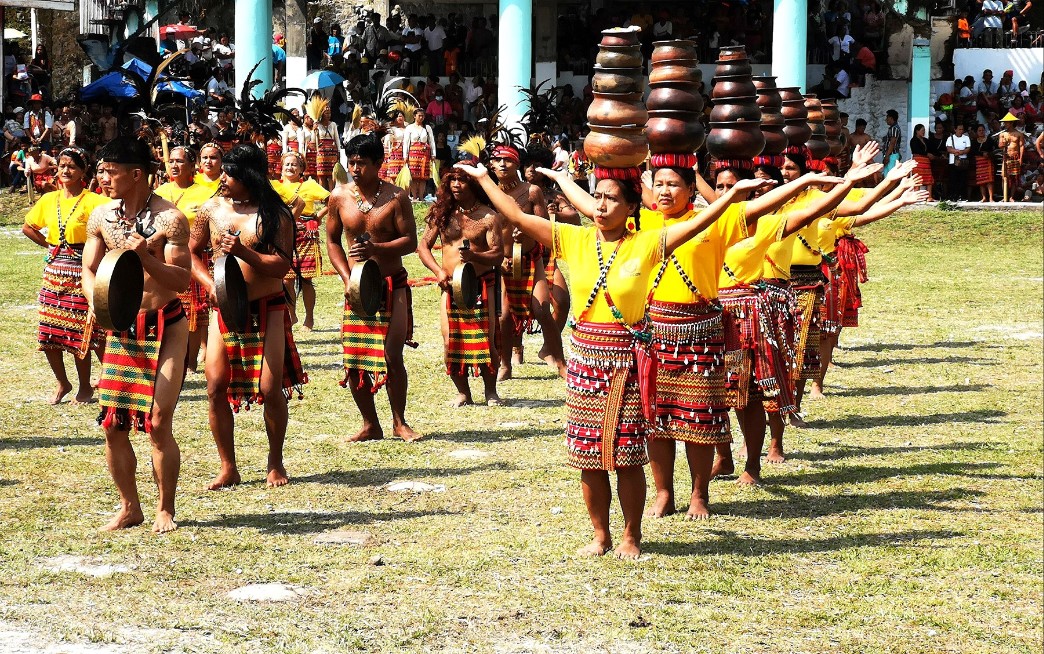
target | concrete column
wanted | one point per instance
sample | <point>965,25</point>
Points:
<point>790,42</point>
<point>919,103</point>
<point>515,54</point>
<point>545,41</point>
<point>254,42</point>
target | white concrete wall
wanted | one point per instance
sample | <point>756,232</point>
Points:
<point>872,101</point>
<point>1026,62</point>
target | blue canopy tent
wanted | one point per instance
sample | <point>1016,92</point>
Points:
<point>116,85</point>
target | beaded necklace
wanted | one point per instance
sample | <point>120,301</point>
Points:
<point>365,205</point>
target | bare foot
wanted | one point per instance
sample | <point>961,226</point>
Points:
<point>797,421</point>
<point>85,396</point>
<point>277,477</point>
<point>124,519</point>
<point>749,478</point>
<point>698,510</point>
<point>60,393</point>
<point>663,505</point>
<point>504,373</point>
<point>628,550</point>
<point>815,392</point>
<point>367,434</point>
<point>492,399</point>
<point>542,354</point>
<point>308,325</point>
<point>595,548</point>
<point>775,455</point>
<point>406,433</point>
<point>225,479</point>
<point>723,467</point>
<point>460,400</point>
<point>164,523</point>
<point>516,356</point>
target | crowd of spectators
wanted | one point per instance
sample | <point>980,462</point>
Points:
<point>996,24</point>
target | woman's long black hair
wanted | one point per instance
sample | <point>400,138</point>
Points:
<point>249,165</point>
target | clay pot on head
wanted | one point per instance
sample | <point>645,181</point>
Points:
<point>815,109</point>
<point>677,49</point>
<point>619,56</point>
<point>817,146</point>
<point>790,94</point>
<point>671,73</point>
<point>674,131</point>
<point>733,86</point>
<point>776,140</point>
<point>732,53</point>
<point>732,68</point>
<point>794,111</point>
<point>768,94</point>
<point>617,36</point>
<point>669,98</point>
<point>798,132</point>
<point>735,140</point>
<point>617,110</point>
<point>832,123</point>
<point>735,110</point>
<point>618,80</point>
<point>616,147</point>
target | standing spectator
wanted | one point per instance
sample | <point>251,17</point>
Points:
<point>375,38</point>
<point>1019,13</point>
<point>992,11</point>
<point>334,42</point>
<point>959,147</point>
<point>940,159</point>
<point>919,150</point>
<point>663,29</point>
<point>440,109</point>
<point>892,141</point>
<point>38,123</point>
<point>435,35</point>
<point>873,25</point>
<point>413,40</point>
<point>472,95</point>
<point>418,149</point>
<point>13,130</point>
<point>963,30</point>
<point>982,147</point>
<point>841,46</point>
<point>224,53</point>
<point>1012,144</point>
<point>480,42</point>
<point>561,151</point>
<point>317,44</point>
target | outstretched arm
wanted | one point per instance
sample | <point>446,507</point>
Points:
<point>881,210</point>
<point>857,207</point>
<point>777,197</point>
<point>535,227</point>
<point>578,197</point>
<point>823,204</point>
<point>678,233</point>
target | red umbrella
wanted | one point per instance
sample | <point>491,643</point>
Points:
<point>178,32</point>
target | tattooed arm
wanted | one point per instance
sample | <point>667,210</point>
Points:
<point>199,241</point>
<point>93,252</point>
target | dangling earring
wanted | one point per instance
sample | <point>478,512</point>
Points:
<point>653,206</point>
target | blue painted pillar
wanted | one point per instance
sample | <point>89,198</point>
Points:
<point>790,42</point>
<point>515,54</point>
<point>254,42</point>
<point>919,102</point>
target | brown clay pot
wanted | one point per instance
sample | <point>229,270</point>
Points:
<point>689,62</point>
<point>798,132</point>
<point>665,73</point>
<point>772,118</point>
<point>617,110</point>
<point>814,107</point>
<point>677,49</point>
<point>674,99</point>
<point>817,145</point>
<point>616,36</point>
<point>733,86</point>
<point>790,94</point>
<point>619,56</point>
<point>616,147</point>
<point>768,94</point>
<point>732,53</point>
<point>832,123</point>
<point>735,110</point>
<point>735,140</point>
<point>674,131</point>
<point>776,140</point>
<point>618,80</point>
<point>732,68</point>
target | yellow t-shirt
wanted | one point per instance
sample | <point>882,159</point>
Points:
<point>309,190</point>
<point>746,258</point>
<point>778,258</point>
<point>628,279</point>
<point>700,257</point>
<point>75,212</point>
<point>831,230</point>
<point>187,200</point>
<point>202,180</point>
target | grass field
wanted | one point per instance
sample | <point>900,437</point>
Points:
<point>908,518</point>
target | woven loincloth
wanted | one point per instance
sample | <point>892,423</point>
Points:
<point>807,284</point>
<point>128,377</point>
<point>326,157</point>
<point>64,323</point>
<point>851,257</point>
<point>308,253</point>
<point>363,338</point>
<point>196,301</point>
<point>605,427</point>
<point>830,312</point>
<point>689,343</point>
<point>1011,166</point>
<point>274,153</point>
<point>760,369</point>
<point>520,291</point>
<point>245,351</point>
<point>467,351</point>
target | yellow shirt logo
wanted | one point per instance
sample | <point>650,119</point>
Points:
<point>631,268</point>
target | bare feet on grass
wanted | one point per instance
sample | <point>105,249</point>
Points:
<point>84,395</point>
<point>124,518</point>
<point>815,392</point>
<point>60,393</point>
<point>698,509</point>
<point>406,433</point>
<point>663,505</point>
<point>516,356</point>
<point>225,479</point>
<point>366,434</point>
<point>723,467</point>
<point>277,477</point>
<point>504,373</point>
<point>775,455</point>
<point>492,399</point>
<point>164,523</point>
<point>628,550</point>
<point>595,548</point>
<point>749,478</point>
<point>460,400</point>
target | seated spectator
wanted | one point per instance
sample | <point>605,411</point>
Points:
<point>219,93</point>
<point>16,165</point>
<point>43,168</point>
<point>455,94</point>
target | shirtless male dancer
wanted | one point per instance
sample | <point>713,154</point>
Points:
<point>152,352</point>
<point>470,231</point>
<point>249,221</point>
<point>376,219</point>
<point>505,163</point>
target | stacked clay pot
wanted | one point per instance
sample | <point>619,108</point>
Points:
<point>735,119</point>
<point>674,103</point>
<point>617,116</point>
<point>795,116</point>
<point>834,131</point>
<point>772,122</point>
<point>817,144</point>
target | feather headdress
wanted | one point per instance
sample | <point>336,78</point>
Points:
<point>263,116</point>
<point>543,112</point>
<point>315,106</point>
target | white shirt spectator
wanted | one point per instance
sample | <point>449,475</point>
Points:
<point>843,82</point>
<point>962,142</point>
<point>662,29</point>
<point>224,54</point>
<point>982,87</point>
<point>43,125</point>
<point>413,31</point>
<point>216,87</point>
<point>415,133</point>
<point>435,37</point>
<point>471,92</point>
<point>840,46</point>
<point>992,21</point>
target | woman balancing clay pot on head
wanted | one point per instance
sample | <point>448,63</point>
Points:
<point>302,196</point>
<point>64,322</point>
<point>611,270</point>
<point>188,196</point>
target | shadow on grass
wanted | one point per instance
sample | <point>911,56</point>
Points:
<point>986,416</point>
<point>34,442</point>
<point>901,347</point>
<point>910,390</point>
<point>305,522</point>
<point>898,361</point>
<point>9,482</point>
<point>730,543</point>
<point>499,434</point>
<point>382,476</point>
<point>866,474</point>
<point>844,451</point>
